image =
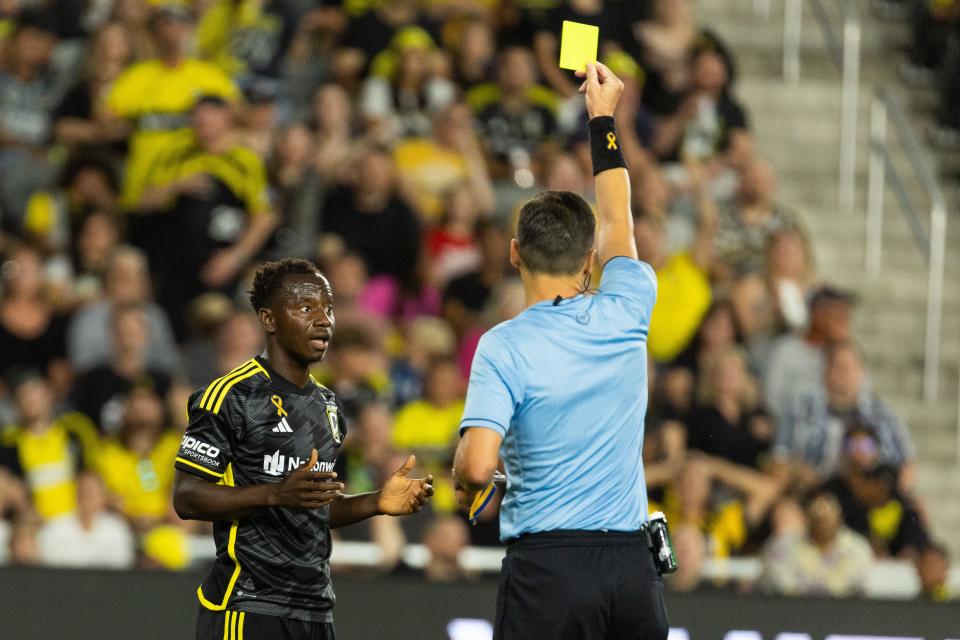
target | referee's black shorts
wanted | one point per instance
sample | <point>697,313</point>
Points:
<point>240,625</point>
<point>580,585</point>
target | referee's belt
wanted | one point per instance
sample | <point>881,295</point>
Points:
<point>560,537</point>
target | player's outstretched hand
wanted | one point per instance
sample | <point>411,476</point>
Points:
<point>306,489</point>
<point>603,89</point>
<point>401,495</point>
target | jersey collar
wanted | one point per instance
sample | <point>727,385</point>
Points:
<point>284,384</point>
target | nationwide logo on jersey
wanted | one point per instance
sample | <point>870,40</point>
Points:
<point>283,426</point>
<point>278,464</point>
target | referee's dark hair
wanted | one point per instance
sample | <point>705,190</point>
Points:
<point>555,233</point>
<point>269,279</point>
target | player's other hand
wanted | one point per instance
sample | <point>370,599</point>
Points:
<point>603,89</point>
<point>306,489</point>
<point>401,495</point>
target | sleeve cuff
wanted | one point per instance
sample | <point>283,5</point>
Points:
<point>195,469</point>
<point>482,423</point>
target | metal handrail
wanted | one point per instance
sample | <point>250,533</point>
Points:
<point>885,109</point>
<point>844,51</point>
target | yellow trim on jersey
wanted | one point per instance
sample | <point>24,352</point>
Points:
<point>214,387</point>
<point>229,385</point>
<point>231,552</point>
<point>196,466</point>
<point>240,625</point>
<point>233,626</point>
<point>226,625</point>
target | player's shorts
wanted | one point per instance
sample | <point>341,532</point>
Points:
<point>569,585</point>
<point>241,625</point>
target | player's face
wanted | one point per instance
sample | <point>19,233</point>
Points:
<point>304,317</point>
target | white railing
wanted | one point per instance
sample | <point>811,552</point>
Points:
<point>886,110</point>
<point>886,578</point>
<point>844,51</point>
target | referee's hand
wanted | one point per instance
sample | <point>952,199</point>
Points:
<point>306,489</point>
<point>603,89</point>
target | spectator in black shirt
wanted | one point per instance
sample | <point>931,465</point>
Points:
<point>101,392</point>
<point>75,123</point>
<point>727,423</point>
<point>371,219</point>
<point>32,334</point>
<point>369,34</point>
<point>870,499</point>
<point>515,124</point>
<point>546,42</point>
<point>473,58</point>
<point>708,120</point>
<point>465,298</point>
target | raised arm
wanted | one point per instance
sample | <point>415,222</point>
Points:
<point>615,223</point>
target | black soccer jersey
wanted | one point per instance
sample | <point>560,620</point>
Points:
<point>252,426</point>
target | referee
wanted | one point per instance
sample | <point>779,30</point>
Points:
<point>559,394</point>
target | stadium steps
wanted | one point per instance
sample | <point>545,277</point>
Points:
<point>798,127</point>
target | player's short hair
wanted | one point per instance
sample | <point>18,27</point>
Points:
<point>269,279</point>
<point>555,233</point>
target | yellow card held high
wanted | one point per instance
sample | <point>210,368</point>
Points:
<point>578,45</point>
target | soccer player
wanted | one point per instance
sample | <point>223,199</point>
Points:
<point>257,461</point>
<point>559,394</point>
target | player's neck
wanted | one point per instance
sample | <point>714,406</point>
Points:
<point>539,287</point>
<point>294,371</point>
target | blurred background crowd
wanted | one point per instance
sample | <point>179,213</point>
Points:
<point>151,155</point>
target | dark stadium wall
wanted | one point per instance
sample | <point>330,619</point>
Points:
<point>37,604</point>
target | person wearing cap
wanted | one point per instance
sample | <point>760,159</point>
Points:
<point>402,91</point>
<point>810,436</point>
<point>796,361</point>
<point>209,194</point>
<point>158,95</point>
<point>28,95</point>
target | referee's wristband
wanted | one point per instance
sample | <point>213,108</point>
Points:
<point>604,144</point>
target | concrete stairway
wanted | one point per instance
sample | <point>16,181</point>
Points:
<point>797,126</point>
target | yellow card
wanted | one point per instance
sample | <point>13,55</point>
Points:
<point>578,45</point>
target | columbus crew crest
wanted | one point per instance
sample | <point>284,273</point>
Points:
<point>333,419</point>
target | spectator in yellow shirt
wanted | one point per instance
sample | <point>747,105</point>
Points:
<point>429,427</point>
<point>49,451</point>
<point>157,95</point>
<point>137,466</point>
<point>210,195</point>
<point>683,285</point>
<point>430,167</point>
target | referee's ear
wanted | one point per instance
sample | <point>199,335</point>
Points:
<point>591,261</point>
<point>515,254</point>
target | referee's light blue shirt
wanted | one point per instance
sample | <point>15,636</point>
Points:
<point>566,387</point>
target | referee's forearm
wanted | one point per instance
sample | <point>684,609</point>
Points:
<point>614,218</point>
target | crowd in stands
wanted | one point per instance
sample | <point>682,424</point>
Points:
<point>152,155</point>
